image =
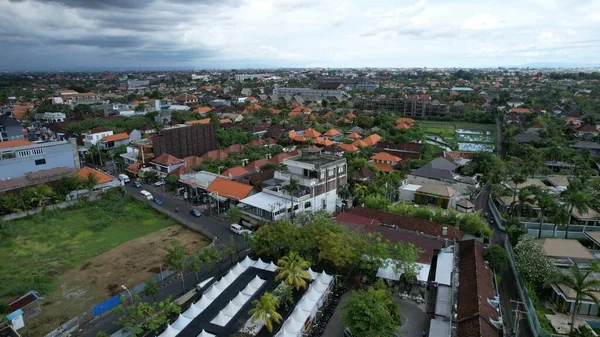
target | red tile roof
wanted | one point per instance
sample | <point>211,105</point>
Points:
<point>354,135</point>
<point>256,165</point>
<point>115,137</point>
<point>234,148</point>
<point>588,128</point>
<point>311,133</point>
<point>383,167</point>
<point>332,133</point>
<point>257,142</point>
<point>235,171</point>
<point>192,161</point>
<point>198,121</point>
<point>229,189</point>
<point>101,177</point>
<point>360,143</point>
<point>278,158</point>
<point>166,159</point>
<point>409,223</point>
<point>214,154</point>
<point>474,289</point>
<point>373,139</point>
<point>134,168</point>
<point>520,110</point>
<point>203,109</point>
<point>181,170</point>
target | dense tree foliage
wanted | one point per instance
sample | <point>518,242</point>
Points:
<point>371,312</point>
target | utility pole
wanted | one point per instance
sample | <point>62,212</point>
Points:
<point>517,314</point>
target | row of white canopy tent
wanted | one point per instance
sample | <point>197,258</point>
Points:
<point>225,315</point>
<point>308,305</point>
<point>389,271</point>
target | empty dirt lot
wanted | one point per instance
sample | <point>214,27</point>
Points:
<point>130,263</point>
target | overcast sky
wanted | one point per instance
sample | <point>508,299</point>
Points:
<point>71,34</point>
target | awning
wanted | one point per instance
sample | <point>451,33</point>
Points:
<point>267,202</point>
<point>387,272</point>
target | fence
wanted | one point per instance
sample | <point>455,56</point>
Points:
<point>20,215</point>
<point>105,306</point>
<point>550,230</point>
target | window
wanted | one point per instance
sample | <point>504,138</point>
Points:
<point>324,203</point>
<point>307,205</point>
<point>40,161</point>
<point>330,173</point>
<point>341,169</point>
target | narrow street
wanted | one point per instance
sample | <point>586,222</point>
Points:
<point>507,288</point>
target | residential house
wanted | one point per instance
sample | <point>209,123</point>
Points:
<point>103,180</point>
<point>114,141</point>
<point>535,128</point>
<point>332,134</point>
<point>10,129</point>
<point>439,195</point>
<point>587,131</point>
<point>229,191</point>
<point>385,162</point>
<point>164,164</point>
<point>528,138</point>
<point>186,99</point>
<point>234,172</point>
<point>20,157</point>
<point>95,135</point>
<point>591,146</point>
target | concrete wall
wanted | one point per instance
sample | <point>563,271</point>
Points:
<point>13,132</point>
<point>58,154</point>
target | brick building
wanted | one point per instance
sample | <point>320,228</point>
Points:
<point>181,142</point>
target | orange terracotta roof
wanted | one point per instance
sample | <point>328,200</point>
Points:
<point>384,156</point>
<point>15,143</point>
<point>295,137</point>
<point>276,111</point>
<point>403,126</point>
<point>345,120</point>
<point>520,110</point>
<point>348,147</point>
<point>384,167</point>
<point>278,158</point>
<point>166,159</point>
<point>360,143</point>
<point>234,148</point>
<point>225,121</point>
<point>405,120</point>
<point>229,189</point>
<point>301,109</point>
<point>198,121</point>
<point>373,139</point>
<point>115,137</point>
<point>134,168</point>
<point>354,135</point>
<point>311,133</point>
<point>19,111</point>
<point>181,170</point>
<point>257,164</point>
<point>214,154</point>
<point>101,177</point>
<point>322,141</point>
<point>235,171</point>
<point>203,109</point>
<point>332,133</point>
<point>350,115</point>
<point>192,161</point>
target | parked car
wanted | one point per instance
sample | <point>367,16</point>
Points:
<point>159,183</point>
<point>137,184</point>
<point>237,229</point>
<point>124,178</point>
<point>158,201</point>
<point>146,195</point>
<point>195,212</point>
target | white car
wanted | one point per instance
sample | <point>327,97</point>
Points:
<point>159,183</point>
<point>237,229</point>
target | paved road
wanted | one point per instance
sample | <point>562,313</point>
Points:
<point>508,286</point>
<point>413,318</point>
<point>173,287</point>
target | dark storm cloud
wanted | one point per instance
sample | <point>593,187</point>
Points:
<point>127,4</point>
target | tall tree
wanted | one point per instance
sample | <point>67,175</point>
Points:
<point>516,179</point>
<point>265,309</point>
<point>575,196</point>
<point>545,201</point>
<point>175,259</point>
<point>292,269</point>
<point>371,312</point>
<point>292,188</point>
<point>584,285</point>
<point>151,288</point>
<point>145,316</point>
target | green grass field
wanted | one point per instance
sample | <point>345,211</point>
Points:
<point>35,249</point>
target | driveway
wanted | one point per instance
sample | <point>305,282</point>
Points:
<point>413,318</point>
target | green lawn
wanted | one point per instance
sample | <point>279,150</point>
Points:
<point>44,245</point>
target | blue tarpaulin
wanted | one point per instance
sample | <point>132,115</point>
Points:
<point>105,306</point>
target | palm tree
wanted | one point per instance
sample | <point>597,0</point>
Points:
<point>545,201</point>
<point>42,193</point>
<point>293,270</point>
<point>90,182</point>
<point>265,309</point>
<point>360,191</point>
<point>291,188</point>
<point>584,286</point>
<point>576,197</point>
<point>525,198</point>
<point>517,179</point>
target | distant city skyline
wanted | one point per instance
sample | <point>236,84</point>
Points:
<point>46,35</point>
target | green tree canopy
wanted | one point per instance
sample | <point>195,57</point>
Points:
<point>144,316</point>
<point>371,312</point>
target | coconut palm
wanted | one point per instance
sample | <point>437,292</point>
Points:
<point>90,182</point>
<point>293,270</point>
<point>545,201</point>
<point>265,309</point>
<point>292,188</point>
<point>585,287</point>
<point>360,192</point>
<point>517,179</point>
<point>576,197</point>
<point>42,192</point>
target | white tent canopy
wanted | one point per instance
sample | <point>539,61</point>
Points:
<point>231,309</point>
<point>248,262</point>
<point>260,264</point>
<point>253,286</point>
<point>221,319</point>
<point>169,332</point>
<point>240,299</point>
<point>312,273</point>
<point>181,322</point>
<point>271,267</point>
<point>239,269</point>
<point>387,271</point>
<point>203,333</point>
<point>213,292</point>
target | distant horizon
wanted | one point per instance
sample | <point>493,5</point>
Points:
<point>96,35</point>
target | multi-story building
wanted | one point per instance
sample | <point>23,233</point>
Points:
<point>95,135</point>
<point>243,77</point>
<point>307,93</point>
<point>51,117</point>
<point>114,141</point>
<point>408,107</point>
<point>318,176</point>
<point>19,157</point>
<point>10,129</point>
<point>82,98</point>
<point>165,164</point>
<point>185,141</point>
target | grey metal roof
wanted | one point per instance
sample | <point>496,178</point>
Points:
<point>587,145</point>
<point>528,138</point>
<point>439,168</point>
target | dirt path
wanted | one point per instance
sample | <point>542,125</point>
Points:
<point>100,277</point>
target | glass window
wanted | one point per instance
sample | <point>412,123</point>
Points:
<point>40,161</point>
<point>307,205</point>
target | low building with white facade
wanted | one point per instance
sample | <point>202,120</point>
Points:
<point>95,135</point>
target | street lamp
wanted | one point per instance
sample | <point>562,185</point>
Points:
<point>129,292</point>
